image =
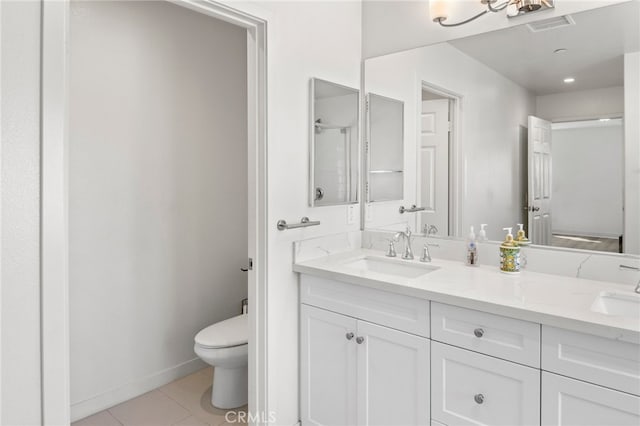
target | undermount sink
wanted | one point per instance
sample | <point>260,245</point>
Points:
<point>617,304</point>
<point>397,267</point>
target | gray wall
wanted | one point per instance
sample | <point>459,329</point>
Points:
<point>158,192</point>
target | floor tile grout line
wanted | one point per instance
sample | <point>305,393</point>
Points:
<point>114,416</point>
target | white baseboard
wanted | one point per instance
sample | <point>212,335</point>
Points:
<point>97,403</point>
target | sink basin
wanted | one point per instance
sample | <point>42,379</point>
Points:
<point>402,268</point>
<point>618,304</point>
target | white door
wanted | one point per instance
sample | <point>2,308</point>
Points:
<point>473,389</point>
<point>433,166</point>
<point>539,181</point>
<point>328,367</point>
<point>393,377</point>
<point>570,402</point>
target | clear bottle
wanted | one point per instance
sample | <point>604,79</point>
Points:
<point>482,235</point>
<point>472,249</point>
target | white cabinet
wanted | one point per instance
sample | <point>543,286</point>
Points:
<point>474,389</point>
<point>507,338</point>
<point>393,377</point>
<point>375,376</point>
<point>328,367</point>
<point>569,402</point>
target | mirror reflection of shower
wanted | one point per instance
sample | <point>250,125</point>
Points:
<point>334,144</point>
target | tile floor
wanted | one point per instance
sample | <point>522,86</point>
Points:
<point>185,402</point>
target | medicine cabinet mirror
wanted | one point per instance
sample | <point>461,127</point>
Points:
<point>384,149</point>
<point>334,159</point>
<point>497,97</point>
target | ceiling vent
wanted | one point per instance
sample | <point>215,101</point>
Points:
<point>551,24</point>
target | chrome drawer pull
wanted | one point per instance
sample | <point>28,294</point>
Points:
<point>479,398</point>
<point>478,332</point>
<point>349,336</point>
<point>359,340</point>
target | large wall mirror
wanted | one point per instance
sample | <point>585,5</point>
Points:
<point>334,159</point>
<point>535,124</point>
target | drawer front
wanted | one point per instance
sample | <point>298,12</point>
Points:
<point>572,402</point>
<point>502,337</point>
<point>594,359</point>
<point>468,388</point>
<point>380,307</point>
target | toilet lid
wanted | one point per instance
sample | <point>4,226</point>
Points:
<point>230,332</point>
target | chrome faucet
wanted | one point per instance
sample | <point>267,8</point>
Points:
<point>408,253</point>
<point>632,268</point>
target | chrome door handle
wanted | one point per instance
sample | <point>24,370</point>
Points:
<point>478,332</point>
<point>535,209</point>
<point>349,336</point>
<point>359,340</point>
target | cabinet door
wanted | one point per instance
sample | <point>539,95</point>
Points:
<point>473,389</point>
<point>393,377</point>
<point>572,402</point>
<point>328,367</point>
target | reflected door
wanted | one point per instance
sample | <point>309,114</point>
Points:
<point>539,181</point>
<point>433,166</point>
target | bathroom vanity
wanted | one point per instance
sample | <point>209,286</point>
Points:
<point>395,342</point>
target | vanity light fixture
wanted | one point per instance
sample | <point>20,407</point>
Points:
<point>569,80</point>
<point>439,9</point>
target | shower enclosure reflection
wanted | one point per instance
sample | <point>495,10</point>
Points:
<point>334,144</point>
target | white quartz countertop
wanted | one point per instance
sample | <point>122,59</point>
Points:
<point>553,300</point>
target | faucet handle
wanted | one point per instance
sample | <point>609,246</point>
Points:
<point>426,256</point>
<point>391,252</point>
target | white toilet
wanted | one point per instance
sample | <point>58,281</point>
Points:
<point>224,346</point>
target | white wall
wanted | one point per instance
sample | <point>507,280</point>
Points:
<point>587,180</point>
<point>394,25</point>
<point>632,153</point>
<point>157,192</point>
<point>493,109</point>
<point>581,104</point>
<point>20,186</point>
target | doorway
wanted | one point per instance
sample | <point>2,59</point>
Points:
<point>56,168</point>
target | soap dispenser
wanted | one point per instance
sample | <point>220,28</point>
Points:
<point>472,249</point>
<point>509,254</point>
<point>482,235</point>
<point>521,238</point>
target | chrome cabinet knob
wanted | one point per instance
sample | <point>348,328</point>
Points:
<point>478,332</point>
<point>359,340</point>
<point>479,398</point>
<point>349,336</point>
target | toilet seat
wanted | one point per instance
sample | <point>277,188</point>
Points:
<point>230,332</point>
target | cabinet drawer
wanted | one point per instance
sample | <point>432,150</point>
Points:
<point>606,362</point>
<point>572,402</point>
<point>495,335</point>
<point>468,388</point>
<point>404,313</point>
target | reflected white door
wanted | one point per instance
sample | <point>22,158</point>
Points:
<point>433,166</point>
<point>539,181</point>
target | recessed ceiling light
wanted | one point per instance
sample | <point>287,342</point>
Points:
<point>561,50</point>
<point>569,80</point>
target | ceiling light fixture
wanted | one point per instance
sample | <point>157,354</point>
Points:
<point>439,9</point>
<point>569,80</point>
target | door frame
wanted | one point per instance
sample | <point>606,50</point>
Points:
<point>456,159</point>
<point>54,225</point>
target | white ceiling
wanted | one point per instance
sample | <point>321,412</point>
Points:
<point>595,45</point>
